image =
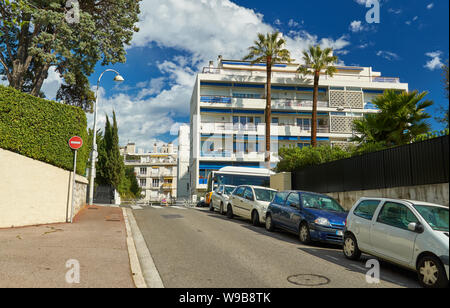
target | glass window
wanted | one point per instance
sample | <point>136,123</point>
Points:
<point>239,191</point>
<point>321,202</point>
<point>265,195</point>
<point>366,209</point>
<point>396,215</point>
<point>436,217</point>
<point>280,198</point>
<point>248,194</point>
<point>293,200</point>
<point>229,190</point>
<point>257,120</point>
<point>275,120</point>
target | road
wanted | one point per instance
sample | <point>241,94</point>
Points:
<point>194,248</point>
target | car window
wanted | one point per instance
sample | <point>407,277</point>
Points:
<point>436,217</point>
<point>396,215</point>
<point>366,209</point>
<point>321,202</point>
<point>229,190</point>
<point>293,200</point>
<point>280,198</point>
<point>264,194</point>
<point>248,194</point>
<point>239,191</point>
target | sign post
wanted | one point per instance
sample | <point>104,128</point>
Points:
<point>75,143</point>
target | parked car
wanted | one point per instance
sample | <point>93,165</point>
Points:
<point>412,234</point>
<point>250,202</point>
<point>220,198</point>
<point>312,216</point>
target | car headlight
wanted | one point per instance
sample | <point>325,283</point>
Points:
<point>322,222</point>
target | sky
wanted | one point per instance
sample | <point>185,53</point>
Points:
<point>177,38</point>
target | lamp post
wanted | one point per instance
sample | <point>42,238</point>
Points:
<point>118,78</point>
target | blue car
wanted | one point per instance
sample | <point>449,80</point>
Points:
<point>314,217</point>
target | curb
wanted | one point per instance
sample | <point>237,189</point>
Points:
<point>149,270</point>
<point>136,270</point>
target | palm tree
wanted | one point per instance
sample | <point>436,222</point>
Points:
<point>400,120</point>
<point>269,49</point>
<point>316,60</point>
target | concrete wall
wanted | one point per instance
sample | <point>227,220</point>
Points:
<point>281,181</point>
<point>438,193</point>
<point>33,192</point>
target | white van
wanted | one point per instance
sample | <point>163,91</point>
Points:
<point>412,234</point>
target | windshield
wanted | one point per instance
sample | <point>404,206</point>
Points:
<point>229,189</point>
<point>436,217</point>
<point>264,194</point>
<point>321,202</point>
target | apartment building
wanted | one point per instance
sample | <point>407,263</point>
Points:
<point>156,172</point>
<point>228,106</point>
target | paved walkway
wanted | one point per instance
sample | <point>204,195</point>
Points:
<point>37,256</point>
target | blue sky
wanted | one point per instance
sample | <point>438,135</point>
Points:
<point>178,38</point>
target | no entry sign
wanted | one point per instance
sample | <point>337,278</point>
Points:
<point>75,143</point>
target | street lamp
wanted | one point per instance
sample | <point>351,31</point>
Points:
<point>94,152</point>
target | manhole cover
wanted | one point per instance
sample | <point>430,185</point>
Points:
<point>309,280</point>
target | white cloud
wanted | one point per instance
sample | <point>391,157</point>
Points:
<point>388,55</point>
<point>395,11</point>
<point>356,26</point>
<point>435,62</point>
<point>52,84</point>
<point>430,6</point>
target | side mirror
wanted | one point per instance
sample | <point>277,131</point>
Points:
<point>416,227</point>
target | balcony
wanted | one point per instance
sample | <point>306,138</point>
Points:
<point>282,129</point>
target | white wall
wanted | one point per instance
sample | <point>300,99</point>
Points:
<point>33,192</point>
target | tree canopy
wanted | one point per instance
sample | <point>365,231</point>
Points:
<point>36,35</point>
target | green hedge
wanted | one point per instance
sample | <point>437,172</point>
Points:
<point>40,129</point>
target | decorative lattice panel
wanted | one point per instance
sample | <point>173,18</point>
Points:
<point>347,99</point>
<point>341,124</point>
<point>341,144</point>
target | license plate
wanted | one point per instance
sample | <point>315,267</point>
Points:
<point>340,233</point>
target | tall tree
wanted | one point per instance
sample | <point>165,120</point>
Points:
<point>269,49</point>
<point>443,119</point>
<point>317,60</point>
<point>401,119</point>
<point>37,35</point>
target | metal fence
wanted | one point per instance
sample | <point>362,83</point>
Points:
<point>420,163</point>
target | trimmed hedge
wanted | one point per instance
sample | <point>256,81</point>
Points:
<point>40,129</point>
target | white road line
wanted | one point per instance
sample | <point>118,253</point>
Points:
<point>136,207</point>
<point>157,207</point>
<point>178,207</point>
<point>359,267</point>
<point>331,257</point>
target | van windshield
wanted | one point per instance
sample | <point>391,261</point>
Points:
<point>436,217</point>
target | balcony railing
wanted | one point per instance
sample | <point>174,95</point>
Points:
<point>211,128</point>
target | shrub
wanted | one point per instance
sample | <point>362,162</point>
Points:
<point>40,129</point>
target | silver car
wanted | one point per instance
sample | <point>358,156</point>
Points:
<point>220,197</point>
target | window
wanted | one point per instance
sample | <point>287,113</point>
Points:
<point>143,182</point>
<point>366,209</point>
<point>436,217</point>
<point>280,198</point>
<point>396,215</point>
<point>293,200</point>
<point>239,191</point>
<point>265,195</point>
<point>143,171</point>
<point>275,121</point>
<point>248,194</point>
<point>155,182</point>
<point>321,202</point>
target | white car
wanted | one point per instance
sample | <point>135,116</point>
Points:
<point>412,234</point>
<point>220,197</point>
<point>250,202</point>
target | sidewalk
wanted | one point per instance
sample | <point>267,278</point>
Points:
<point>35,257</point>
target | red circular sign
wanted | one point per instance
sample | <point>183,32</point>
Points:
<point>75,143</point>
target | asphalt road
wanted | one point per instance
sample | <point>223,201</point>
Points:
<point>194,248</point>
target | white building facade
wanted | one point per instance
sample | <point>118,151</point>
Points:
<point>228,105</point>
<point>156,172</point>
<point>184,148</point>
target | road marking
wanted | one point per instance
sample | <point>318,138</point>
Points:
<point>157,207</point>
<point>331,257</point>
<point>178,207</point>
<point>136,207</point>
<point>358,267</point>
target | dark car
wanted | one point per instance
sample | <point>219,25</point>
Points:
<point>312,216</point>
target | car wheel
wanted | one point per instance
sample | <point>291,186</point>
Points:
<point>229,211</point>
<point>350,248</point>
<point>255,218</point>
<point>304,234</point>
<point>269,223</point>
<point>431,273</point>
<point>221,209</point>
